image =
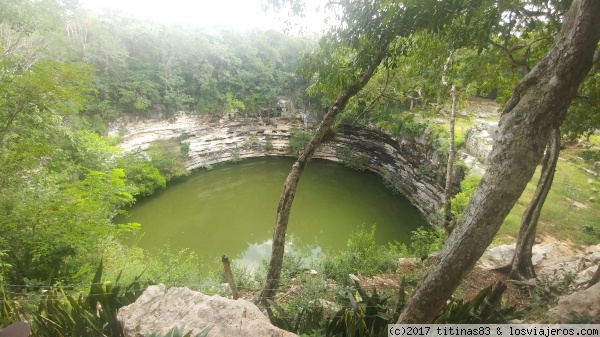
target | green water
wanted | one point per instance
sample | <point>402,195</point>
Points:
<point>231,209</point>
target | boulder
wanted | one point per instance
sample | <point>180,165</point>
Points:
<point>480,139</point>
<point>579,307</point>
<point>408,263</point>
<point>496,257</point>
<point>160,309</point>
<point>502,255</point>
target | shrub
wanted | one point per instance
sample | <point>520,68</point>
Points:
<point>94,314</point>
<point>355,162</point>
<point>590,156</point>
<point>169,157</point>
<point>298,140</point>
<point>424,241</point>
<point>268,143</point>
<point>362,256</point>
<point>460,200</point>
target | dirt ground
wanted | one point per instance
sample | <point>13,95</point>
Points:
<point>475,281</point>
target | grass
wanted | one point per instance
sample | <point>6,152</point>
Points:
<point>568,213</point>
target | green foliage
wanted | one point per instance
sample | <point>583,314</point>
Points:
<point>368,314</point>
<point>460,200</point>
<point>485,308</point>
<point>298,140</point>
<point>355,162</point>
<point>362,256</point>
<point>268,143</point>
<point>170,266</point>
<point>179,332</point>
<point>232,104</point>
<point>143,178</point>
<point>364,314</point>
<point>94,314</point>
<point>169,157</point>
<point>309,319</point>
<point>590,155</point>
<point>425,241</point>
<point>53,231</point>
<point>235,155</point>
<point>403,125</point>
<point>8,311</point>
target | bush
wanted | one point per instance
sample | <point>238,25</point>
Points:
<point>298,140</point>
<point>425,241</point>
<point>590,156</point>
<point>268,143</point>
<point>355,162</point>
<point>460,200</point>
<point>143,177</point>
<point>94,314</point>
<point>362,256</point>
<point>169,156</point>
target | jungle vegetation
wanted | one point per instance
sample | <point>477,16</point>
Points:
<point>66,73</point>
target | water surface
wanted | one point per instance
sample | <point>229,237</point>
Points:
<point>231,210</point>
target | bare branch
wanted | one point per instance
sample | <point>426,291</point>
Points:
<point>517,63</point>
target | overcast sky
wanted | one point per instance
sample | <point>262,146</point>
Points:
<point>240,14</point>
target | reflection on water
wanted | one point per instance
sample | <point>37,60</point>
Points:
<point>252,259</point>
<point>231,210</point>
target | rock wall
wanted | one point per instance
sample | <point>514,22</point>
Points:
<point>410,165</point>
<point>480,139</point>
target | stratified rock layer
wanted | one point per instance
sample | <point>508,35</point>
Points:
<point>160,309</point>
<point>408,164</point>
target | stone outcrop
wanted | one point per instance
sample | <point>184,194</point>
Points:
<point>553,261</point>
<point>581,307</point>
<point>408,164</point>
<point>480,139</point>
<point>160,309</point>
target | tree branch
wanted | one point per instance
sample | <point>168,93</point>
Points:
<point>381,94</point>
<point>520,64</point>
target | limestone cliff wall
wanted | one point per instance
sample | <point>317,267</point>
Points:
<point>408,164</point>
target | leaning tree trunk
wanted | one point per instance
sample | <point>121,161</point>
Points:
<point>289,187</point>
<point>448,223</point>
<point>521,266</point>
<point>537,107</point>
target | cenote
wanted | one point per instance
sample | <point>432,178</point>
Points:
<point>230,210</point>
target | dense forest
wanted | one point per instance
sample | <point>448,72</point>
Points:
<point>66,73</point>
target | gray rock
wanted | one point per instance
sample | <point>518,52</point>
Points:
<point>409,164</point>
<point>592,199</point>
<point>580,306</point>
<point>502,255</point>
<point>160,309</point>
<point>552,261</point>
<point>596,165</point>
<point>408,263</point>
<point>480,138</point>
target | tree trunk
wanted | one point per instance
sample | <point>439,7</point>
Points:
<point>289,187</point>
<point>537,107</point>
<point>448,223</point>
<point>521,267</point>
